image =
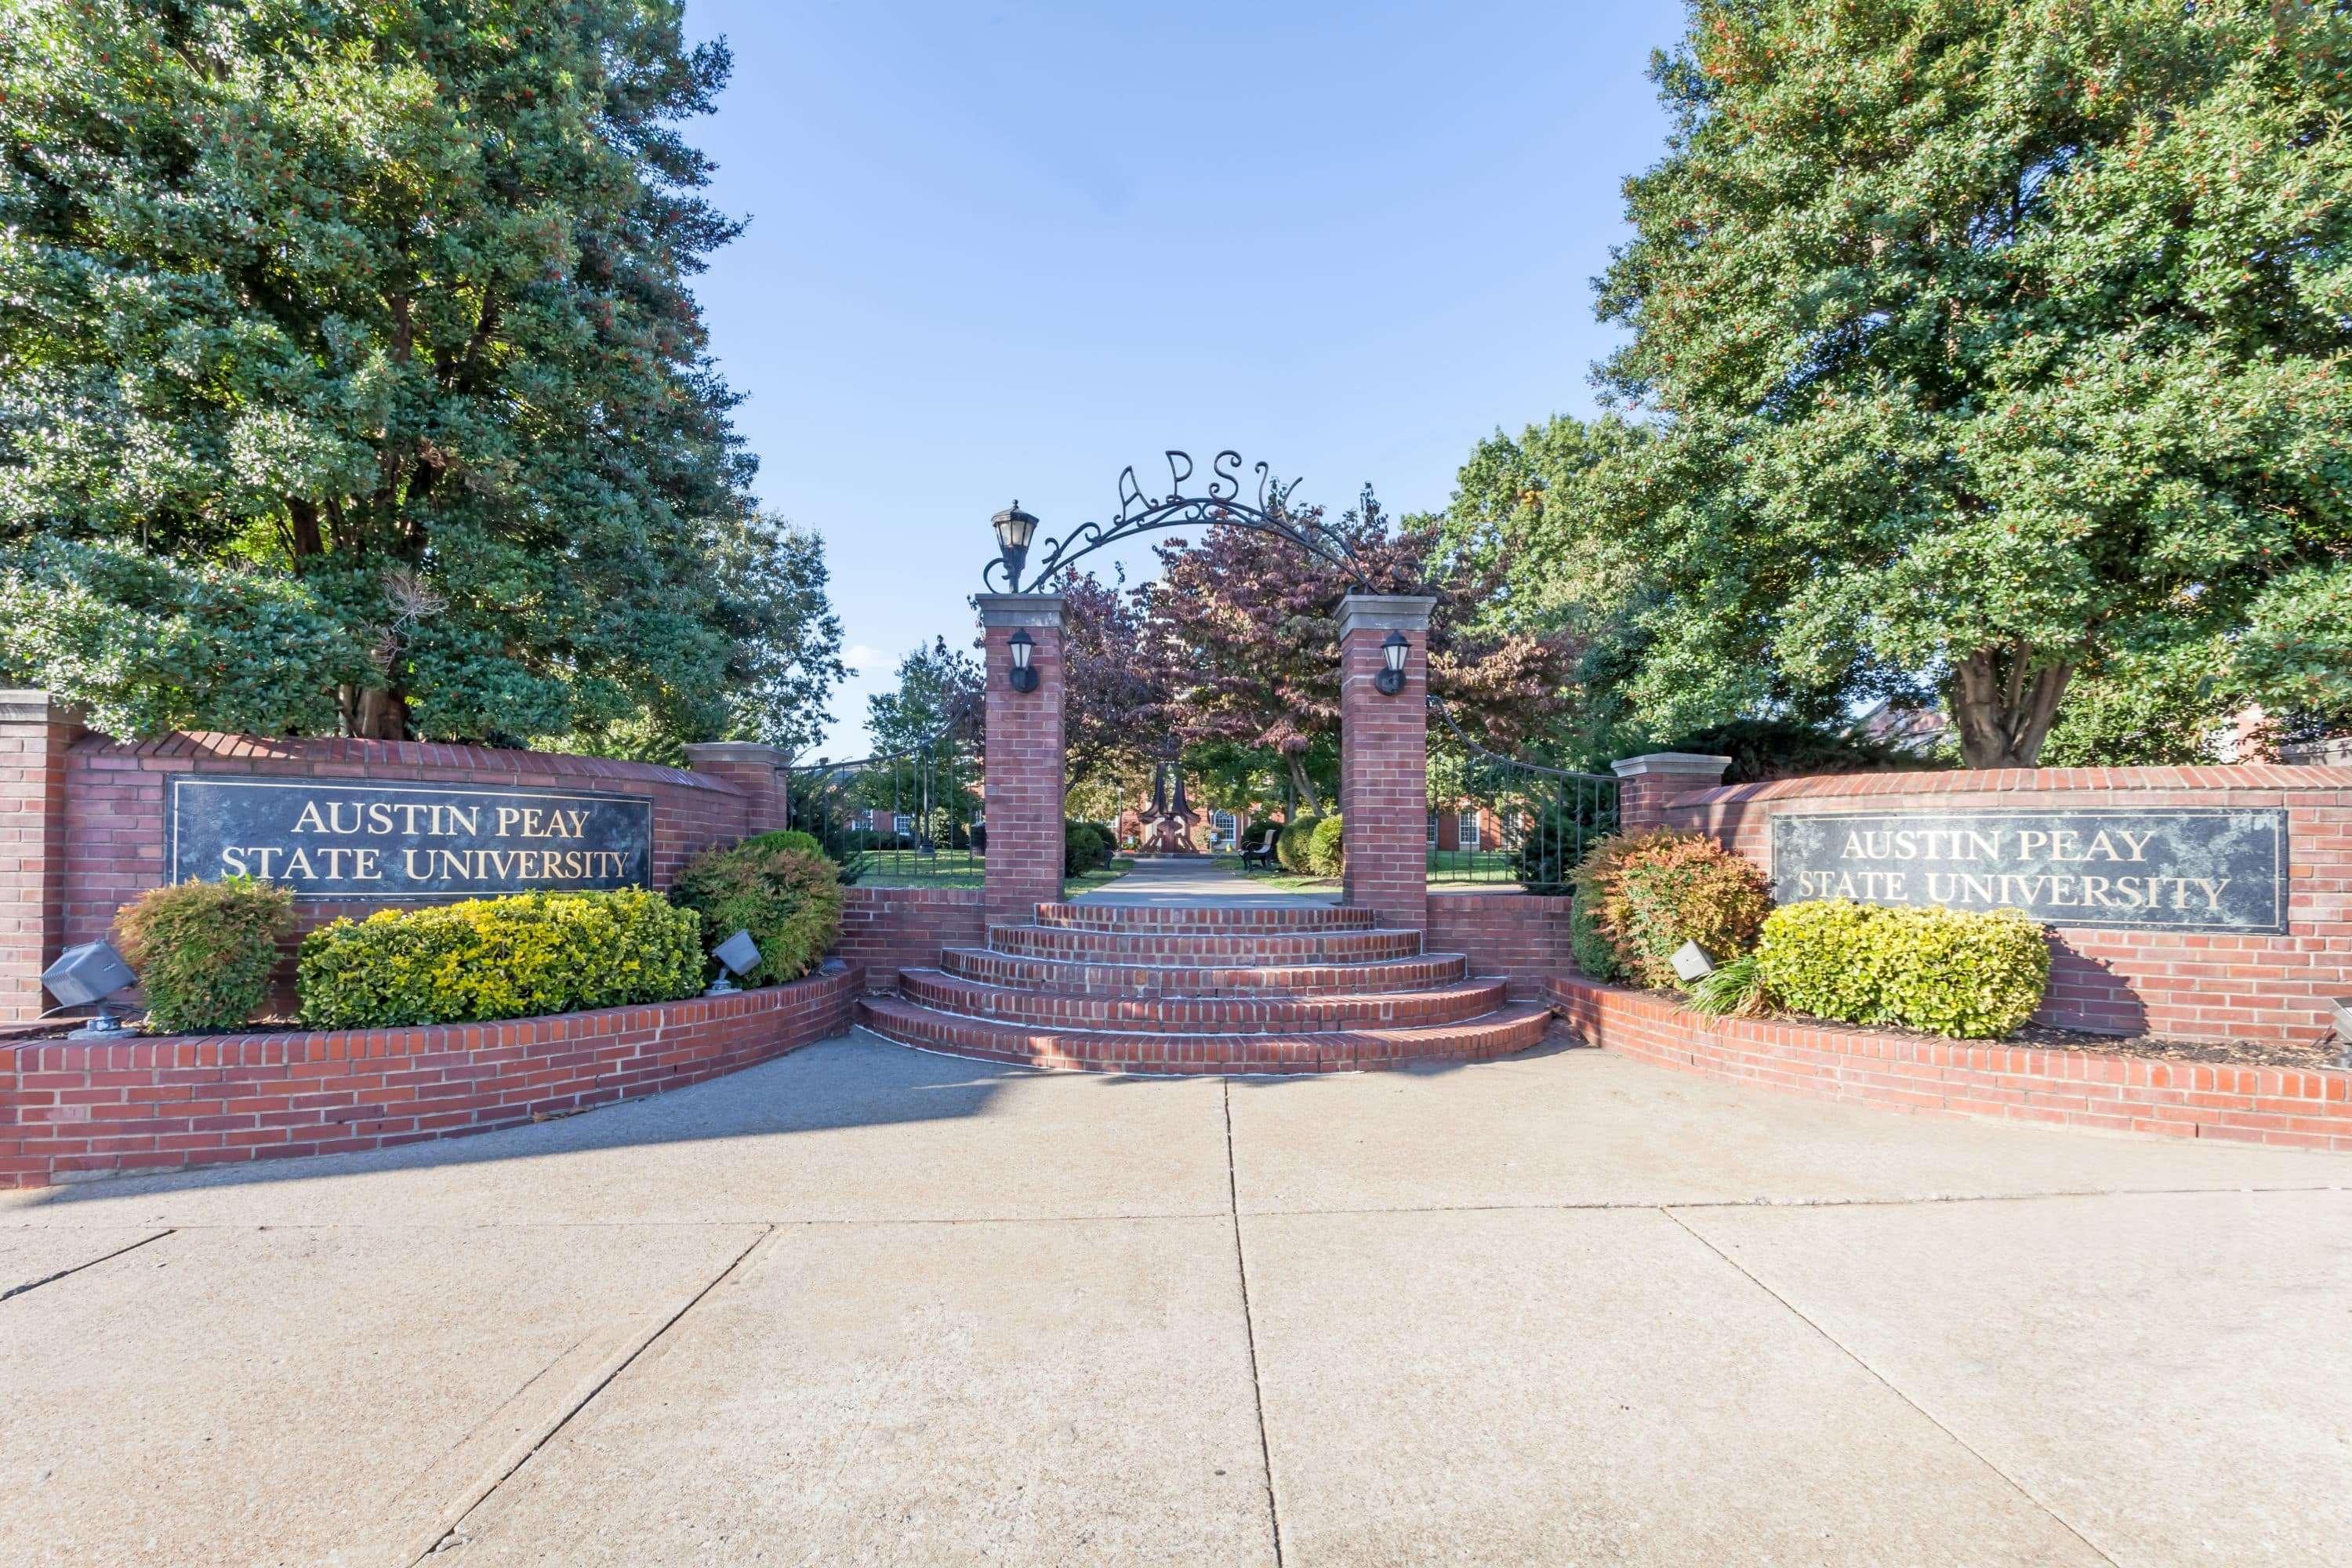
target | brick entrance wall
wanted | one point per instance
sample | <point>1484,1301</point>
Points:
<point>2189,984</point>
<point>84,818</point>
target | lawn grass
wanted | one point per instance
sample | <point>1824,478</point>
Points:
<point>962,869</point>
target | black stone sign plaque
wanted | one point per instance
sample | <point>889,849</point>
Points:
<point>366,842</point>
<point>2215,869</point>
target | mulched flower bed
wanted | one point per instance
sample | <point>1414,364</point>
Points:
<point>2237,1053</point>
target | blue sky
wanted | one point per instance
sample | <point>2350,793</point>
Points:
<point>1007,250</point>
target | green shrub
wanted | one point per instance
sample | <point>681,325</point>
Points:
<point>788,898</point>
<point>1293,850</point>
<point>1559,837</point>
<point>787,838</point>
<point>204,951</point>
<point>1085,847</point>
<point>1327,847</point>
<point>519,957</point>
<point>1975,974</point>
<point>1596,957</point>
<point>1651,892</point>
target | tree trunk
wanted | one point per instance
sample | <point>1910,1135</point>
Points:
<point>2003,705</point>
<point>1303,785</point>
<point>377,714</point>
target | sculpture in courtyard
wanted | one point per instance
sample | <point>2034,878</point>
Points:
<point>1168,826</point>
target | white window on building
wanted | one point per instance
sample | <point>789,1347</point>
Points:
<point>1432,829</point>
<point>1467,829</point>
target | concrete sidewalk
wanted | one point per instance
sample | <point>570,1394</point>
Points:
<point>865,1306</point>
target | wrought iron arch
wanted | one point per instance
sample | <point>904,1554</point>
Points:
<point>1219,504</point>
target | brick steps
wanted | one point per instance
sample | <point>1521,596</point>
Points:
<point>1498,1033</point>
<point>1107,978</point>
<point>1206,989</point>
<point>1204,946</point>
<point>1172,917</point>
<point>1260,1014</point>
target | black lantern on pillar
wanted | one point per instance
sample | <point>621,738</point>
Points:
<point>1390,679</point>
<point>1015,530</point>
<point>1020,677</point>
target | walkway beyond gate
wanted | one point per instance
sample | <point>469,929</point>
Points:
<point>1180,879</point>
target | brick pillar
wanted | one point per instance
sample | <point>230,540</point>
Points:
<point>1649,782</point>
<point>756,770</point>
<point>34,730</point>
<point>1024,798</point>
<point>1384,760</point>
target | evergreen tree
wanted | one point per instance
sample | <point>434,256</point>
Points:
<point>1997,341</point>
<point>350,378</point>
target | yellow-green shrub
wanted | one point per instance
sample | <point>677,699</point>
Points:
<point>1975,974</point>
<point>517,957</point>
<point>1327,847</point>
<point>204,951</point>
<point>1648,893</point>
<point>789,899</point>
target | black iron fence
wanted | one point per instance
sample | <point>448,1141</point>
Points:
<point>1502,820</point>
<point>904,818</point>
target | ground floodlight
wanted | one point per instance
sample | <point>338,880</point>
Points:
<point>1691,962</point>
<point>86,974</point>
<point>739,954</point>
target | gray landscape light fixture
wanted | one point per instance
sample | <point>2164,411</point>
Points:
<point>1390,679</point>
<point>1015,530</point>
<point>1022,678</point>
<point>739,954</point>
<point>1691,962</point>
<point>88,973</point>
<point>2339,1009</point>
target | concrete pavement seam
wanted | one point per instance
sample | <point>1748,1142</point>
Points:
<point>1249,1329</point>
<point>16,1290</point>
<point>483,1494</point>
<point>1880,1378</point>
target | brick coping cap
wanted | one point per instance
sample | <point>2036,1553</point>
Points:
<point>1699,763</point>
<point>1385,613</point>
<point>212,745</point>
<point>1022,609</point>
<point>2005,781</point>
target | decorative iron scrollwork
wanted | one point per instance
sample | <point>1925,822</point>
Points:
<point>1218,504</point>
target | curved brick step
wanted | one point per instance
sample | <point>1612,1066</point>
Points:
<point>1254,950</point>
<point>1203,918</point>
<point>1498,1033</point>
<point>1203,1015</point>
<point>1115,978</point>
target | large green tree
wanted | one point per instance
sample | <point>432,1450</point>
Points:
<point>350,378</point>
<point>1999,341</point>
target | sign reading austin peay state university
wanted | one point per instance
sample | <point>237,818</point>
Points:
<point>374,842</point>
<point>2212,868</point>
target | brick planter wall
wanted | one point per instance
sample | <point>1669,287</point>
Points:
<point>886,930</point>
<point>1520,936</point>
<point>2189,984</point>
<point>72,1109</point>
<point>2009,1083</point>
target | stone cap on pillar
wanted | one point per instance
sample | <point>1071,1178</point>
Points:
<point>754,752</point>
<point>1385,613</point>
<point>1674,764</point>
<point>1022,609</point>
<point>31,705</point>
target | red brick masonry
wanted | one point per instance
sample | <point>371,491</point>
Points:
<point>2191,984</point>
<point>71,1110</point>
<point>886,930</point>
<point>2009,1083</point>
